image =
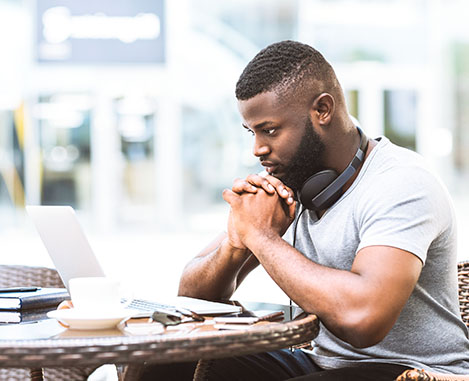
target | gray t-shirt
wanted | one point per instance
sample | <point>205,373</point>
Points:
<point>395,201</point>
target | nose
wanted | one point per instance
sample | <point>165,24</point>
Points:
<point>260,147</point>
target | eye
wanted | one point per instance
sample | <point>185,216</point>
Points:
<point>269,131</point>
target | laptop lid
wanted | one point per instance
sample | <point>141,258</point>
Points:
<point>65,241</point>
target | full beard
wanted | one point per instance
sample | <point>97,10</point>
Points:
<point>307,160</point>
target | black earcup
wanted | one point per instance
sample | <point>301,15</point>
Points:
<point>314,186</point>
<point>324,188</point>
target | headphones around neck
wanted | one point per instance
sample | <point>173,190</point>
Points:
<point>324,188</point>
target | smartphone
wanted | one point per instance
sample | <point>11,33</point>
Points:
<point>249,317</point>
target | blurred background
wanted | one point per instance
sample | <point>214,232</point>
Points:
<point>125,110</point>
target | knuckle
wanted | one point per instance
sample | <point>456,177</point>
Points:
<point>252,178</point>
<point>276,183</point>
<point>273,180</point>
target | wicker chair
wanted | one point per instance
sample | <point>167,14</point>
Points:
<point>13,275</point>
<point>422,375</point>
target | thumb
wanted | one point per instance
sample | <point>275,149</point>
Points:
<point>230,197</point>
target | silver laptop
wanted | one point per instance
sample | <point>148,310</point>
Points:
<point>73,257</point>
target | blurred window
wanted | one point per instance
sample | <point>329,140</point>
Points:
<point>400,117</point>
<point>64,133</point>
<point>135,121</point>
<point>389,31</point>
<point>261,22</point>
<point>216,149</point>
<point>352,99</point>
<point>461,88</point>
<point>11,166</point>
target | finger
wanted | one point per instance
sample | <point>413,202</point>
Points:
<point>63,324</point>
<point>66,304</point>
<point>261,182</point>
<point>283,191</point>
<point>230,197</point>
<point>291,210</point>
<point>242,186</point>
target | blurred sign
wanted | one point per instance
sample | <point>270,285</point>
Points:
<point>104,31</point>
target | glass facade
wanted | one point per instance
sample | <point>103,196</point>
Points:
<point>11,164</point>
<point>65,149</point>
<point>400,117</point>
<point>142,138</point>
<point>136,130</point>
<point>139,143</point>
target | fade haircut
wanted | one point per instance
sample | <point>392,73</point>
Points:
<point>290,69</point>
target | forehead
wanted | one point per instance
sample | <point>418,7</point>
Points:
<point>267,106</point>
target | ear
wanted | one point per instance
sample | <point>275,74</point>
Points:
<point>323,108</point>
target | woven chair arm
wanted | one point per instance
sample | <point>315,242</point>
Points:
<point>423,375</point>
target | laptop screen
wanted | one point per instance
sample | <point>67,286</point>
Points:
<point>65,242</point>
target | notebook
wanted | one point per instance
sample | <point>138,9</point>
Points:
<point>71,253</point>
<point>34,298</point>
<point>31,315</point>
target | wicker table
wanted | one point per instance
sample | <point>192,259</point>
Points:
<point>47,344</point>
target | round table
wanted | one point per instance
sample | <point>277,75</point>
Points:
<point>47,344</point>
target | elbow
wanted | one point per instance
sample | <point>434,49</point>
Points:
<point>187,287</point>
<point>194,288</point>
<point>356,329</point>
<point>364,339</point>
<point>183,290</point>
<point>363,332</point>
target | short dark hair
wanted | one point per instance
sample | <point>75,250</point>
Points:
<point>284,66</point>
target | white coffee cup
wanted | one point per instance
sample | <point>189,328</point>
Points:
<point>95,294</point>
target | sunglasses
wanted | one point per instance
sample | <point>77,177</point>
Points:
<point>167,317</point>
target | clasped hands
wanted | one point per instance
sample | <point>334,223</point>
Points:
<point>261,208</point>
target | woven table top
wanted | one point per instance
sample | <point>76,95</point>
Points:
<point>190,342</point>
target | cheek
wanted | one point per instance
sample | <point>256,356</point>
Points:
<point>286,152</point>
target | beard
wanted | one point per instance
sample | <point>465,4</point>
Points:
<point>307,160</point>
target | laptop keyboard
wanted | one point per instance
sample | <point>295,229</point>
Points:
<point>183,305</point>
<point>148,306</point>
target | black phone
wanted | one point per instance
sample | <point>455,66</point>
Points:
<point>249,317</point>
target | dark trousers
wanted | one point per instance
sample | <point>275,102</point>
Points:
<point>276,366</point>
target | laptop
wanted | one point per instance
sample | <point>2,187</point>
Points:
<point>73,257</point>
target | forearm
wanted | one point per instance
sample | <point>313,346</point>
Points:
<point>214,273</point>
<point>308,284</point>
<point>354,305</point>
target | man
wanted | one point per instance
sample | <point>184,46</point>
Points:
<point>377,265</point>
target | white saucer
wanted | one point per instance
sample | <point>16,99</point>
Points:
<point>76,319</point>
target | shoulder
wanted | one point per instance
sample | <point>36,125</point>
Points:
<point>397,177</point>
<point>402,203</point>
<point>387,156</point>
<point>395,168</point>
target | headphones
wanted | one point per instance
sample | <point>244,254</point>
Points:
<point>324,188</point>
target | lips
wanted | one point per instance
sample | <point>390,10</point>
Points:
<point>271,168</point>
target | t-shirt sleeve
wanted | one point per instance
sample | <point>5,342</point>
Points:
<point>404,209</point>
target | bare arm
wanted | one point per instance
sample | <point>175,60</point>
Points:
<point>359,306</point>
<point>217,271</point>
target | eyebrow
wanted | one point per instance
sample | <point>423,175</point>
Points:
<point>260,125</point>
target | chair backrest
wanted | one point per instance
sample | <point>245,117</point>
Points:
<point>463,286</point>
<point>15,275</point>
